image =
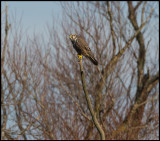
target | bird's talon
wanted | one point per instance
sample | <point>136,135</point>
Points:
<point>79,57</point>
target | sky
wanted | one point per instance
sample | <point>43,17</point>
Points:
<point>35,15</point>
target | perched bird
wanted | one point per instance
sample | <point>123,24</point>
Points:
<point>80,45</point>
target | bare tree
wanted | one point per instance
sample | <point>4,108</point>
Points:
<point>42,96</point>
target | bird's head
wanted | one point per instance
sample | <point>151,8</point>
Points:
<point>73,37</point>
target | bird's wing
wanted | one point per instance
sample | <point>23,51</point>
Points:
<point>83,44</point>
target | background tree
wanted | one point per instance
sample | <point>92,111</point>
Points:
<point>41,91</point>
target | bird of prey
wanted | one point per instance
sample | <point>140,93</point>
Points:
<point>82,48</point>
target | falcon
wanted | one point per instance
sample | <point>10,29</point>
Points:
<point>82,48</point>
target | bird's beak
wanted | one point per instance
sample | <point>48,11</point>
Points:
<point>70,36</point>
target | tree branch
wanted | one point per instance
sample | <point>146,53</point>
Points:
<point>94,119</point>
<point>112,30</point>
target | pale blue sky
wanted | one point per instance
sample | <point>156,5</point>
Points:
<point>35,15</point>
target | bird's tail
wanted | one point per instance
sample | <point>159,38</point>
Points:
<point>93,60</point>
